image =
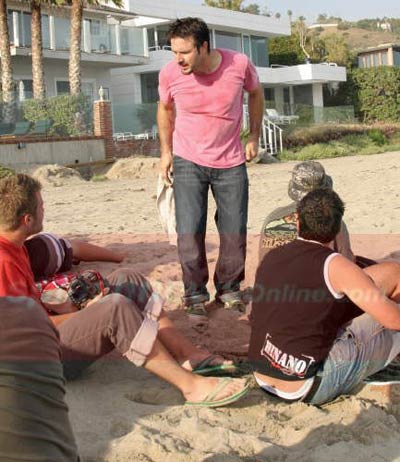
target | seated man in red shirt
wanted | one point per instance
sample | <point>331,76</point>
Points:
<point>137,328</point>
<point>320,323</point>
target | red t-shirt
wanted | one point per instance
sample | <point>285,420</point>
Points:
<point>16,278</point>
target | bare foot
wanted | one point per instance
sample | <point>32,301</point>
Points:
<point>202,387</point>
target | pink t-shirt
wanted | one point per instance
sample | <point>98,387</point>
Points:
<point>209,109</point>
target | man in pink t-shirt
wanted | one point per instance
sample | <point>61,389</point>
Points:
<point>199,120</point>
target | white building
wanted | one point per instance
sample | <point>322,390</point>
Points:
<point>106,43</point>
<point>285,87</point>
<point>124,50</point>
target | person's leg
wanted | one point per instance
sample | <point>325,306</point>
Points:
<point>83,251</point>
<point>363,348</point>
<point>386,276</point>
<point>135,286</point>
<point>115,322</point>
<point>193,387</point>
<point>131,284</point>
<point>34,423</point>
<point>191,183</point>
<point>230,190</point>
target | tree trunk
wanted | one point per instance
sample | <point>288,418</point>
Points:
<point>39,90</point>
<point>7,82</point>
<point>74,70</point>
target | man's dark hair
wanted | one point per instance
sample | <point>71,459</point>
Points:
<point>191,27</point>
<point>320,215</point>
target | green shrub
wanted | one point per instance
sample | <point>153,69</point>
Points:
<point>345,146</point>
<point>61,110</point>
<point>5,171</point>
<point>302,136</point>
<point>377,137</point>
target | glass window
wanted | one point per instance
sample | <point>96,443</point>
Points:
<point>99,36</point>
<point>228,40</point>
<point>149,84</point>
<point>376,59</point>
<point>87,89</point>
<point>286,95</point>
<point>384,57</point>
<point>151,38</point>
<point>10,23</point>
<point>62,87</point>
<point>94,27</point>
<point>26,30</point>
<point>246,46</point>
<point>62,29</point>
<point>45,31</point>
<point>259,51</point>
<point>162,34</point>
<point>28,85</point>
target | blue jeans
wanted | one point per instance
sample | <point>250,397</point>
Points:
<point>361,349</point>
<point>229,187</point>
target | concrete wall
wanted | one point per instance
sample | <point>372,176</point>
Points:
<point>23,154</point>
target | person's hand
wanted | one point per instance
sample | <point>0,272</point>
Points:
<point>97,298</point>
<point>166,168</point>
<point>251,148</point>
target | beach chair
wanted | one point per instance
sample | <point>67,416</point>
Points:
<point>5,128</point>
<point>41,127</point>
<point>274,116</point>
<point>21,128</point>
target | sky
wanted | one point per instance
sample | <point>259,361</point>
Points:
<point>345,9</point>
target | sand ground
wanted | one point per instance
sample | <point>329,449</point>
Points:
<point>121,413</point>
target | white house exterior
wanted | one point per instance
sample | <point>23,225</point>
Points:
<point>106,43</point>
<point>123,51</point>
<point>284,87</point>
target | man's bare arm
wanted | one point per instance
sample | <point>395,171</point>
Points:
<point>165,121</point>
<point>256,114</point>
<point>348,278</point>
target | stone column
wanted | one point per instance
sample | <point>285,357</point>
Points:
<point>318,102</point>
<point>103,126</point>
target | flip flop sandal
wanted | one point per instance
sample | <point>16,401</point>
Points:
<point>205,368</point>
<point>208,400</point>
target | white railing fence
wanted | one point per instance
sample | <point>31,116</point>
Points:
<point>271,139</point>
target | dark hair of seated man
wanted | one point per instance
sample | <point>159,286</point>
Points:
<point>320,215</point>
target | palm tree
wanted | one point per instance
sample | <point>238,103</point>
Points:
<point>74,68</point>
<point>38,83</point>
<point>7,82</point>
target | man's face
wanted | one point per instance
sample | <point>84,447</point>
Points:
<point>189,58</point>
<point>35,224</point>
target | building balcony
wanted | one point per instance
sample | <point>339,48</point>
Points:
<point>115,45</point>
<point>302,74</point>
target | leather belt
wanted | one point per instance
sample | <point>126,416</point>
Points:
<point>313,390</point>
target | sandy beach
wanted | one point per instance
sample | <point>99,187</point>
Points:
<point>122,413</point>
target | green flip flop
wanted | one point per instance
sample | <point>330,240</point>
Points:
<point>208,400</point>
<point>205,368</point>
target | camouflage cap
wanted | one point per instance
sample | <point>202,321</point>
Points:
<point>306,177</point>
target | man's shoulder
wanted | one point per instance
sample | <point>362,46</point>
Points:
<point>168,69</point>
<point>234,58</point>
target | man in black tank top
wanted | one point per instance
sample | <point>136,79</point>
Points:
<point>320,324</point>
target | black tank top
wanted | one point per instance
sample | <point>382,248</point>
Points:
<point>296,315</point>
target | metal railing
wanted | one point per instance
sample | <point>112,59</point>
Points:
<point>271,137</point>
